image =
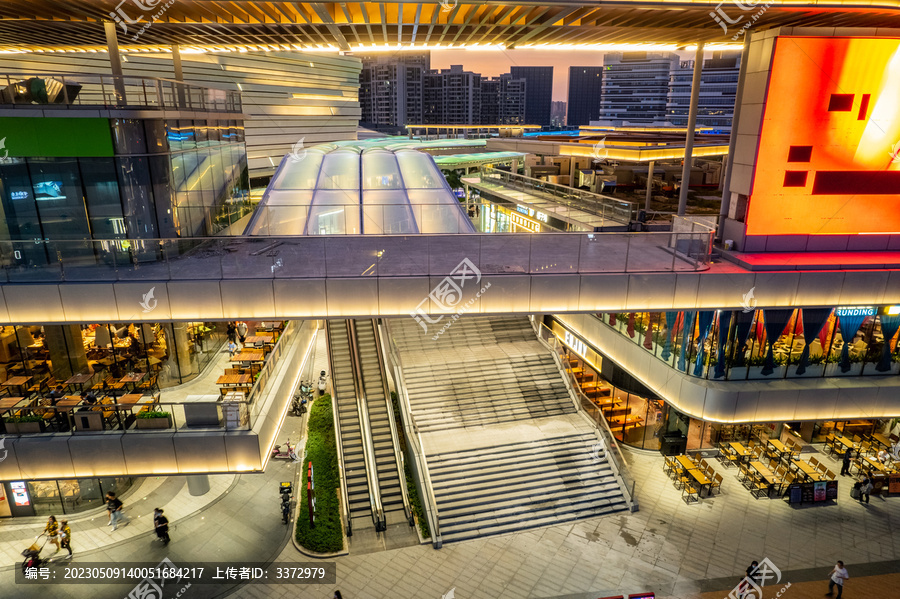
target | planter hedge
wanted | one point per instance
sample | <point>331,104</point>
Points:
<point>321,448</point>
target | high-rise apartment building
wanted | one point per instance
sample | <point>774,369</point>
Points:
<point>490,100</point>
<point>452,96</point>
<point>718,86</point>
<point>585,89</point>
<point>636,87</point>
<point>539,92</point>
<point>391,89</point>
<point>513,100</point>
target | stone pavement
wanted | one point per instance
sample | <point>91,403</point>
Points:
<point>679,551</point>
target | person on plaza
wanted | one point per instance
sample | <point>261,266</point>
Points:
<point>232,347</point>
<point>65,537</point>
<point>337,595</point>
<point>56,395</point>
<point>242,331</point>
<point>231,331</point>
<point>845,465</point>
<point>161,525</point>
<point>114,507</point>
<point>865,487</point>
<point>52,531</point>
<point>837,577</point>
<point>883,456</point>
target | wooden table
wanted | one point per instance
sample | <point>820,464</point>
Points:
<point>79,379</point>
<point>255,339</point>
<point>18,382</point>
<point>67,403</point>
<point>874,463</point>
<point>624,422</point>
<point>882,440</point>
<point>779,447</point>
<point>694,471</point>
<point>739,450</point>
<point>848,444</point>
<point>248,356</point>
<point>9,403</point>
<point>809,470</point>
<point>233,379</point>
<point>607,402</point>
<point>766,474</point>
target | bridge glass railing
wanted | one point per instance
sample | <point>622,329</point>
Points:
<point>84,90</point>
<point>606,206</point>
<point>46,261</point>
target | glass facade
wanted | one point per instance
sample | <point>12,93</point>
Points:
<point>167,179</point>
<point>55,497</point>
<point>768,344</point>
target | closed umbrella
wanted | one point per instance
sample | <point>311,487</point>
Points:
<point>671,317</point>
<point>724,324</point>
<point>686,337</point>
<point>849,324</point>
<point>743,322</point>
<point>705,320</point>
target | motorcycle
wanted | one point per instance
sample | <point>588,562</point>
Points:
<point>285,491</point>
<point>322,383</point>
<point>298,405</point>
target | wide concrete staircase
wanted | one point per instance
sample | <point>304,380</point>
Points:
<point>505,448</point>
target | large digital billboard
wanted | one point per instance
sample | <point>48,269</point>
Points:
<point>829,154</point>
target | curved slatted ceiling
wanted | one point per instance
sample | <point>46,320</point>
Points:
<point>249,24</point>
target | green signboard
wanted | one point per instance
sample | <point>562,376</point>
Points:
<point>53,137</point>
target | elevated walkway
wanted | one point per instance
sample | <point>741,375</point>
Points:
<point>505,448</point>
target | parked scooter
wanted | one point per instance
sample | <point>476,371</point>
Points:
<point>287,451</point>
<point>322,383</point>
<point>285,491</point>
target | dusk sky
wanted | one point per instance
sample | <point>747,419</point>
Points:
<point>492,63</point>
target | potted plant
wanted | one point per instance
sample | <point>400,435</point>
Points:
<point>31,423</point>
<point>153,420</point>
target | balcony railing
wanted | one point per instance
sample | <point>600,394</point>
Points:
<point>320,257</point>
<point>85,91</point>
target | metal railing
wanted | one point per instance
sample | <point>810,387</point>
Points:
<point>85,90</point>
<point>414,442</point>
<point>395,441</point>
<point>601,205</point>
<point>365,430</point>
<point>317,257</point>
<point>586,408</point>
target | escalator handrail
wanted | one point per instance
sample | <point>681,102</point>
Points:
<point>365,429</point>
<point>345,497</point>
<point>414,441</point>
<point>395,441</point>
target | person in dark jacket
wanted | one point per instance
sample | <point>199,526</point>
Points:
<point>845,466</point>
<point>161,525</point>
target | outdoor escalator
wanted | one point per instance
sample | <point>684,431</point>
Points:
<point>378,405</point>
<point>349,427</point>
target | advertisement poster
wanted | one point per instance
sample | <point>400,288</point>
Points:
<point>20,494</point>
<point>819,491</point>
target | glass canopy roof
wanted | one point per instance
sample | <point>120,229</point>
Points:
<point>359,188</point>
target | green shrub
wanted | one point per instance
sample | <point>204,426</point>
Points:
<point>153,414</point>
<point>26,418</point>
<point>321,450</point>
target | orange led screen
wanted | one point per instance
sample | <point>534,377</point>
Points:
<point>829,152</point>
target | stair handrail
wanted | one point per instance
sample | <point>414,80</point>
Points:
<point>365,431</point>
<point>395,441</point>
<point>414,440</point>
<point>345,498</point>
<point>610,444</point>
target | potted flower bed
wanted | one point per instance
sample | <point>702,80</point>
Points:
<point>153,420</point>
<point>23,425</point>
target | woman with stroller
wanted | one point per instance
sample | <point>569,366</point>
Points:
<point>52,532</point>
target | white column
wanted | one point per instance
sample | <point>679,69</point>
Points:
<point>732,143</point>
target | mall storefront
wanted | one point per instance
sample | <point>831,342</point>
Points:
<point>43,498</point>
<point>641,419</point>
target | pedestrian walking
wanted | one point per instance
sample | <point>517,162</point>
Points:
<point>232,347</point>
<point>232,332</point>
<point>865,487</point>
<point>114,507</point>
<point>161,525</point>
<point>838,576</point>
<point>845,466</point>
<point>52,530</point>
<point>242,331</point>
<point>65,537</point>
<point>337,595</point>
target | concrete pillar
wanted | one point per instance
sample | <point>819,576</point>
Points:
<point>572,168</point>
<point>179,363</point>
<point>66,347</point>
<point>732,142</point>
<point>689,138</point>
<point>198,484</point>
<point>176,63</point>
<point>115,61</point>
<point>649,186</point>
<point>514,168</point>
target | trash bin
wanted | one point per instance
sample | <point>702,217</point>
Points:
<point>673,444</point>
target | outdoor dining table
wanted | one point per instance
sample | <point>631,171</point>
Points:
<point>809,470</point>
<point>694,471</point>
<point>79,379</point>
<point>132,379</point>
<point>875,463</point>
<point>255,340</point>
<point>248,356</point>
<point>848,444</point>
<point>8,404</point>
<point>882,440</point>
<point>739,450</point>
<point>766,474</point>
<point>19,382</point>
<point>778,446</point>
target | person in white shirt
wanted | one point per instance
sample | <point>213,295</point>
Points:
<point>838,576</point>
